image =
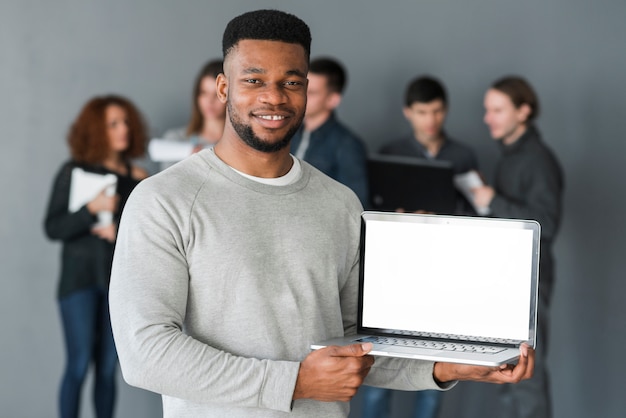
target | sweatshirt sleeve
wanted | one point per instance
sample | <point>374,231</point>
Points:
<point>148,301</point>
<point>404,374</point>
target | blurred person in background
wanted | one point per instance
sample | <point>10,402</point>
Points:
<point>107,135</point>
<point>208,114</point>
<point>528,184</point>
<point>325,142</point>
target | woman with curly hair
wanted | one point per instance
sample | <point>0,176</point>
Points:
<point>107,134</point>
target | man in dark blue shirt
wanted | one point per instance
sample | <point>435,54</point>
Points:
<point>323,141</point>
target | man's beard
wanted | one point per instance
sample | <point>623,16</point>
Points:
<point>246,133</point>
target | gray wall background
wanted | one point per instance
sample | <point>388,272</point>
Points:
<point>56,55</point>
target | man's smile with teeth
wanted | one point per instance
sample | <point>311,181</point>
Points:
<point>272,117</point>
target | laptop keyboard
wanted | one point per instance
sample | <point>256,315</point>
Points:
<point>433,345</point>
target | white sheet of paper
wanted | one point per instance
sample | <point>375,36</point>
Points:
<point>465,183</point>
<point>163,150</point>
<point>85,187</point>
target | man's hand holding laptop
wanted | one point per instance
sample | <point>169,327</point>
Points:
<point>505,373</point>
<point>335,373</point>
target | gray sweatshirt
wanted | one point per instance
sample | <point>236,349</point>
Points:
<point>221,283</point>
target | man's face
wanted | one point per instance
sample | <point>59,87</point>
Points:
<point>505,121</point>
<point>426,119</point>
<point>264,87</point>
<point>319,97</point>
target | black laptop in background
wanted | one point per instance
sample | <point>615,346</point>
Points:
<point>412,184</point>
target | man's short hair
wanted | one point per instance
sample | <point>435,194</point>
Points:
<point>266,25</point>
<point>425,89</point>
<point>520,92</point>
<point>336,76</point>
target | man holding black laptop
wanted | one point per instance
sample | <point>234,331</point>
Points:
<point>425,108</point>
<point>229,334</point>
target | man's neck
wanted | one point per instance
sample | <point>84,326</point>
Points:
<point>237,154</point>
<point>311,123</point>
<point>432,144</point>
<point>515,135</point>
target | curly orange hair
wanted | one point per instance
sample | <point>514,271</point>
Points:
<point>88,139</point>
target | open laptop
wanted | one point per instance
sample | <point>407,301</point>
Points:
<point>412,184</point>
<point>446,288</point>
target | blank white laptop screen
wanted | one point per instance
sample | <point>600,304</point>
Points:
<point>411,282</point>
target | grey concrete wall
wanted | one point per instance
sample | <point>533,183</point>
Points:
<point>56,55</point>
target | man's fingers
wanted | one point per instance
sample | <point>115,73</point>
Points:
<point>530,358</point>
<point>352,350</point>
<point>334,373</point>
<point>525,364</point>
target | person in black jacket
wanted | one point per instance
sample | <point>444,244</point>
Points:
<point>106,135</point>
<point>528,185</point>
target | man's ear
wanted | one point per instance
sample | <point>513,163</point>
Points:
<point>406,111</point>
<point>333,101</point>
<point>222,87</point>
<point>523,112</point>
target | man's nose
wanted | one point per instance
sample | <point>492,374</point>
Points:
<point>273,94</point>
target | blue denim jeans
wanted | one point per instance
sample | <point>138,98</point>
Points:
<point>88,339</point>
<point>377,403</point>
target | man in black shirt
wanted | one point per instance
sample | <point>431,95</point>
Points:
<point>426,107</point>
<point>528,185</point>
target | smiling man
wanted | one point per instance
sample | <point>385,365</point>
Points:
<point>231,263</point>
<point>272,100</point>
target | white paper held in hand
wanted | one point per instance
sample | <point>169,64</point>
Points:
<point>465,183</point>
<point>85,186</point>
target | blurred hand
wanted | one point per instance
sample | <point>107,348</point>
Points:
<point>108,232</point>
<point>333,373</point>
<point>506,373</point>
<point>102,202</point>
<point>483,196</point>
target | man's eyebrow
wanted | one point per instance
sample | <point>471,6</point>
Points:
<point>296,73</point>
<point>254,70</point>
